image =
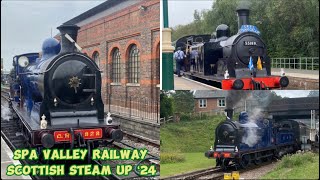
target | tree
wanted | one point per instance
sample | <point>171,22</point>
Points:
<point>166,105</point>
<point>183,101</point>
<point>289,28</point>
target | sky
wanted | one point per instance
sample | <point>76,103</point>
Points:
<point>181,11</point>
<point>26,24</point>
<point>293,93</point>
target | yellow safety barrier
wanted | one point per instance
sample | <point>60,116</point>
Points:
<point>232,176</point>
<point>227,176</point>
<point>235,175</point>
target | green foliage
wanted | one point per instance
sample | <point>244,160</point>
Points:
<point>171,157</point>
<point>193,162</point>
<point>166,107</point>
<point>297,166</point>
<point>183,101</point>
<point>289,28</point>
<point>189,136</point>
<point>290,161</point>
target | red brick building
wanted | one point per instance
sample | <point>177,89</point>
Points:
<point>210,101</point>
<point>123,37</point>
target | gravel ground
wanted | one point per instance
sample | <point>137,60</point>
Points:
<point>151,149</point>
<point>259,172</point>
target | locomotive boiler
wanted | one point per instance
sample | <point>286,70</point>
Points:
<point>234,62</point>
<point>57,96</point>
<point>253,140</point>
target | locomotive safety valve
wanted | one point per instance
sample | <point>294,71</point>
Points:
<point>43,122</point>
<point>108,119</point>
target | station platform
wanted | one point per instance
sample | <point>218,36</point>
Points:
<point>307,74</point>
<point>6,159</point>
<point>182,83</point>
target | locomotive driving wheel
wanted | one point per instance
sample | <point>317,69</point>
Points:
<point>258,160</point>
<point>245,161</point>
<point>225,164</point>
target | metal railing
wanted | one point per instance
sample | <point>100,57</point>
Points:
<point>302,63</point>
<point>134,107</point>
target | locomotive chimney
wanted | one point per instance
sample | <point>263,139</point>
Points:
<point>72,31</point>
<point>229,113</point>
<point>243,16</point>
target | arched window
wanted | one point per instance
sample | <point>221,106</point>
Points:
<point>158,62</point>
<point>134,62</point>
<point>96,58</point>
<point>116,76</point>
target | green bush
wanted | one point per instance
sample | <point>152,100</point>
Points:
<point>289,161</point>
<point>171,158</point>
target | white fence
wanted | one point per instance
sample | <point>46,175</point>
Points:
<point>302,63</point>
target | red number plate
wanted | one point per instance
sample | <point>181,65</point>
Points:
<point>86,133</point>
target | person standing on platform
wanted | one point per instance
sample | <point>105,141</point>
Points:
<point>179,57</point>
<point>194,54</point>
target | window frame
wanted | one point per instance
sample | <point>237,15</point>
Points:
<point>221,99</point>
<point>116,66</point>
<point>94,55</point>
<point>202,103</point>
<point>134,65</point>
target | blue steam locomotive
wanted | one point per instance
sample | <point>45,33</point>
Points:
<point>253,140</point>
<point>57,96</point>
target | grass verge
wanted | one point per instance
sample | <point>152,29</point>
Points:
<point>189,136</point>
<point>297,166</point>
<point>193,162</point>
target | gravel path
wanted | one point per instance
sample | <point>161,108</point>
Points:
<point>259,172</point>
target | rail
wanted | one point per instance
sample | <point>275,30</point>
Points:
<point>301,63</point>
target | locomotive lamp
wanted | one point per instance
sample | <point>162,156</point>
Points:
<point>43,122</point>
<point>92,101</point>
<point>282,73</point>
<point>108,119</point>
<point>55,102</point>
<point>226,75</point>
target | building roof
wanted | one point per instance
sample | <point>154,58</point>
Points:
<point>294,104</point>
<point>91,12</point>
<point>198,94</point>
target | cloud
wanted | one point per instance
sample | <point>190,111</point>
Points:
<point>181,11</point>
<point>26,24</point>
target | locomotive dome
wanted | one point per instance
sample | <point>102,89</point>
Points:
<point>223,31</point>
<point>50,46</point>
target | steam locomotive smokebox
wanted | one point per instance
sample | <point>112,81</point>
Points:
<point>72,31</point>
<point>229,113</point>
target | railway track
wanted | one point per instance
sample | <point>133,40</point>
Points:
<point>15,140</point>
<point>215,172</point>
